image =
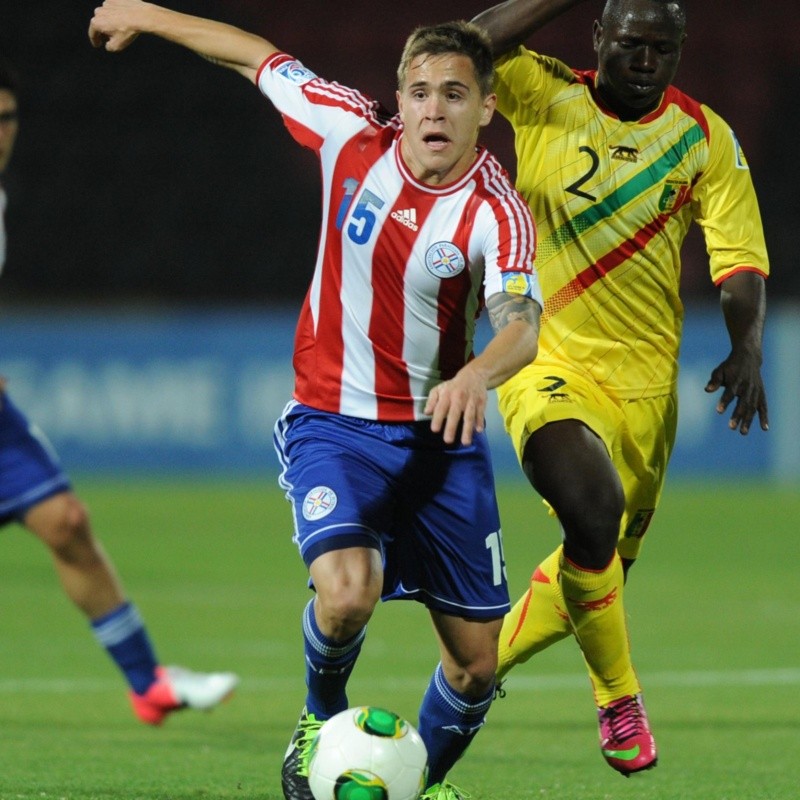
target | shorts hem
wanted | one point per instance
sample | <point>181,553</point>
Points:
<point>18,507</point>
<point>340,542</point>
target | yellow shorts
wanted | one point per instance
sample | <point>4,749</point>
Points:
<point>638,434</point>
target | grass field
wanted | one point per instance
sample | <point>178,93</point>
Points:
<point>715,625</point>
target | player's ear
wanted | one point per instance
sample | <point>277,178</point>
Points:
<point>597,35</point>
<point>487,112</point>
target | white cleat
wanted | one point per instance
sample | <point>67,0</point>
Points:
<point>176,688</point>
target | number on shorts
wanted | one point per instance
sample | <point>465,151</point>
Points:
<point>494,544</point>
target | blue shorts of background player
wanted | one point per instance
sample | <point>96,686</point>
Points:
<point>390,511</point>
<point>35,492</point>
<point>29,469</point>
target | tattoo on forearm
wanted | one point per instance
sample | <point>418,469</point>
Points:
<point>504,308</point>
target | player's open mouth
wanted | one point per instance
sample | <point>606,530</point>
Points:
<point>642,88</point>
<point>436,141</point>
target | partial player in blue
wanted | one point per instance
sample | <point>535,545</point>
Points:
<point>35,492</point>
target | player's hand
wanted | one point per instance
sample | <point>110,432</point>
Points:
<point>113,24</point>
<point>740,377</point>
<point>459,401</point>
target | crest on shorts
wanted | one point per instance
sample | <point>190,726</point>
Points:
<point>319,502</point>
<point>444,260</point>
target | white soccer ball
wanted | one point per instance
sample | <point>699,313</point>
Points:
<point>367,753</point>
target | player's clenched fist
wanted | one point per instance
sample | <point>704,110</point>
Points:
<point>114,24</point>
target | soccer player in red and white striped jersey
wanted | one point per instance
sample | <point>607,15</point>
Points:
<point>384,456</point>
<point>407,249</point>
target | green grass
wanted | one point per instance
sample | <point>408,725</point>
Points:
<point>715,625</point>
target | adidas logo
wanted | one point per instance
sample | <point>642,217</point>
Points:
<point>407,217</point>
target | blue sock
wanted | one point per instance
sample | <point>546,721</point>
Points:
<point>328,666</point>
<point>448,722</point>
<point>123,635</point>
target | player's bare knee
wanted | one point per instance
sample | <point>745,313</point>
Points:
<point>71,528</point>
<point>341,614</point>
<point>473,680</point>
<point>62,523</point>
<point>592,530</point>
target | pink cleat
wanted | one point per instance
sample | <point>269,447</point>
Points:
<point>625,737</point>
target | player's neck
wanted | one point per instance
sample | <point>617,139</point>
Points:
<point>433,174</point>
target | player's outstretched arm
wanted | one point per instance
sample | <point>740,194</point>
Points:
<point>744,308</point>
<point>511,23</point>
<point>117,23</point>
<point>462,399</point>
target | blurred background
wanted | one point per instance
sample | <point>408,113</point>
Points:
<point>162,225</point>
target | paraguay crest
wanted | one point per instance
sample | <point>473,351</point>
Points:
<point>444,260</point>
<point>319,502</point>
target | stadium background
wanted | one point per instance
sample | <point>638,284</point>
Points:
<point>160,227</point>
<point>161,234</point>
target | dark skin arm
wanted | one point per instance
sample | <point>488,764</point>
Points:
<point>509,24</point>
<point>744,308</point>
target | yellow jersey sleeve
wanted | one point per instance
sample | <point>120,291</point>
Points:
<point>525,82</point>
<point>726,207</point>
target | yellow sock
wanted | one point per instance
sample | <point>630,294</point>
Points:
<point>594,602</point>
<point>537,620</point>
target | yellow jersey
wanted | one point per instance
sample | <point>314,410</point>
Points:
<point>613,201</point>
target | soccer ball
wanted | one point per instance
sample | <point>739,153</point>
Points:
<point>367,753</point>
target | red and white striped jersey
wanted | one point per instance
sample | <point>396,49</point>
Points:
<point>403,268</point>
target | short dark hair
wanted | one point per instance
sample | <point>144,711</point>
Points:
<point>9,79</point>
<point>460,37</point>
<point>611,10</point>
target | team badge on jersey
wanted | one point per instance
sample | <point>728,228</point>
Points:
<point>319,502</point>
<point>673,196</point>
<point>295,72</point>
<point>444,260</point>
<point>518,283</point>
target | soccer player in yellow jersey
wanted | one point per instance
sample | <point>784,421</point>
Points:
<point>615,164</point>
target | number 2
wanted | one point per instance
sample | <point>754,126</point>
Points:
<point>575,188</point>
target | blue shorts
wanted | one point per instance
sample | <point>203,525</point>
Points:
<point>430,508</point>
<point>29,468</point>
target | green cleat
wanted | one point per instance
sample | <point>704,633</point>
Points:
<point>294,774</point>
